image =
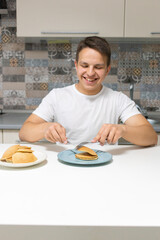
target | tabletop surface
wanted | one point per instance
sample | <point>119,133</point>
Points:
<point>124,192</point>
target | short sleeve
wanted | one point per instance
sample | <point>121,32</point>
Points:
<point>126,107</point>
<point>46,109</point>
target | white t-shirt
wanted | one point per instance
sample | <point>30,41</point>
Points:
<point>83,115</point>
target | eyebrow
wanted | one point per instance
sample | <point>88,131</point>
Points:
<point>98,64</point>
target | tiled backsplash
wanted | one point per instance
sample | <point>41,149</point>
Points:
<point>28,71</point>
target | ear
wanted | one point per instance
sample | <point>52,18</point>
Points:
<point>76,64</point>
<point>108,69</point>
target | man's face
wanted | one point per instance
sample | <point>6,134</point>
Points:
<point>91,71</point>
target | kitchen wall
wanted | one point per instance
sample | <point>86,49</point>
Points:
<point>28,71</point>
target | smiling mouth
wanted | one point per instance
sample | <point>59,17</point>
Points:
<point>90,80</point>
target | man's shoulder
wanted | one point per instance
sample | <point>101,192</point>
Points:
<point>115,95</point>
<point>61,90</point>
<point>109,91</point>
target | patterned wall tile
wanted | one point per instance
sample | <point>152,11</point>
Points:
<point>36,63</point>
<point>59,51</point>
<point>13,70</point>
<point>36,70</point>
<point>36,93</point>
<point>37,46</point>
<point>8,35</point>
<point>73,51</point>
<point>14,47</point>
<point>32,103</point>
<point>59,67</point>
<point>150,47</point>
<point>1,93</point>
<point>11,54</point>
<point>36,78</point>
<point>13,78</point>
<point>36,55</point>
<point>113,71</point>
<point>29,86</point>
<point>150,80</point>
<point>28,71</point>
<point>40,86</point>
<point>14,94</point>
<point>113,86</point>
<point>14,103</point>
<point>13,86</point>
<point>111,79</point>
<point>8,22</point>
<point>150,87</point>
<point>150,103</point>
<point>11,5</point>
<point>114,51</point>
<point>61,79</point>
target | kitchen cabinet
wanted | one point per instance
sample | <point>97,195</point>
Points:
<point>39,18</point>
<point>142,18</point>
<point>10,136</point>
<point>10,124</point>
<point>107,18</point>
<point>159,139</point>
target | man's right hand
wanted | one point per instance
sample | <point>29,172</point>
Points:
<point>36,128</point>
<point>55,132</point>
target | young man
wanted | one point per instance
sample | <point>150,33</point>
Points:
<point>88,111</point>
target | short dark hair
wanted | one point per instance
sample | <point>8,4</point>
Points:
<point>97,43</point>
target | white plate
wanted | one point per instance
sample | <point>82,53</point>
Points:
<point>41,156</point>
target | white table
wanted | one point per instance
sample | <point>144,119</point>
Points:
<point>117,201</point>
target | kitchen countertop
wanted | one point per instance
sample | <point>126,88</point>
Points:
<point>154,115</point>
<point>120,200</point>
<point>14,120</point>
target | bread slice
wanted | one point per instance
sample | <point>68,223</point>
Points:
<point>9,152</point>
<point>24,147</point>
<point>25,150</point>
<point>18,154</point>
<point>20,157</point>
<point>87,154</point>
<point>88,150</point>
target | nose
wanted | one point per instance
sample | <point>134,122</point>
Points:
<point>90,71</point>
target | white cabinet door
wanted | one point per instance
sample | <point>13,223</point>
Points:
<point>142,18</point>
<point>49,18</point>
<point>11,136</point>
<point>159,139</point>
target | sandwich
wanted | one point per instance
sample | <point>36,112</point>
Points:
<point>86,154</point>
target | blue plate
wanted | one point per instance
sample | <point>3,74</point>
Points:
<point>68,157</point>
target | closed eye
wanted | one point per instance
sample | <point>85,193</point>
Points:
<point>84,66</point>
<point>98,67</point>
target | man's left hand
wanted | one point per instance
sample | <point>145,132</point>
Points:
<point>110,132</point>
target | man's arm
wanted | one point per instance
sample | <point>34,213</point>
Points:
<point>136,130</point>
<point>35,129</point>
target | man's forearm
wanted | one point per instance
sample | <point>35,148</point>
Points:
<point>141,135</point>
<point>32,132</point>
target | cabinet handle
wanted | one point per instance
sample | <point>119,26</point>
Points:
<point>69,32</point>
<point>155,33</point>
